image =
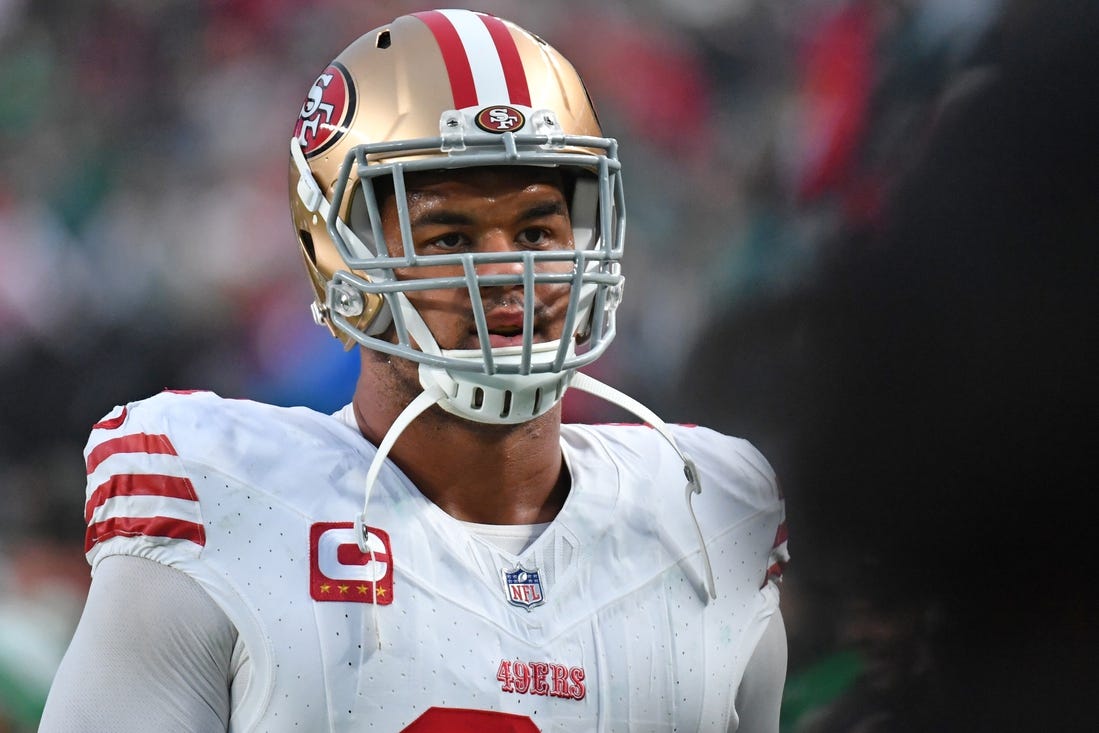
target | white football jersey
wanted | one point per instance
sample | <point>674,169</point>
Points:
<point>602,623</point>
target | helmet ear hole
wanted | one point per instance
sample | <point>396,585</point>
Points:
<point>383,40</point>
<point>307,244</point>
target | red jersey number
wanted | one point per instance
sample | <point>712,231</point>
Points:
<point>461,720</point>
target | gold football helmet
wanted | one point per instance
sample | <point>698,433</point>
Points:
<point>442,90</point>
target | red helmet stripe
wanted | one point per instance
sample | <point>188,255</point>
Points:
<point>454,56</point>
<point>482,60</point>
<point>514,75</point>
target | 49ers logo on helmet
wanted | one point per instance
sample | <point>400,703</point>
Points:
<point>327,111</point>
<point>500,119</point>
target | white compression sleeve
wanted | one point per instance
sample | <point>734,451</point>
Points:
<point>760,694</point>
<point>152,652</point>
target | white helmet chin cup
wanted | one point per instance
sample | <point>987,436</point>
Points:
<point>500,399</point>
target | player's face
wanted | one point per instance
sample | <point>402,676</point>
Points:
<point>502,209</point>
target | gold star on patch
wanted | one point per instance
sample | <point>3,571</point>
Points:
<point>343,588</point>
<point>325,588</point>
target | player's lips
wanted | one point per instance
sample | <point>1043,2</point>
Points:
<point>496,340</point>
<point>505,327</point>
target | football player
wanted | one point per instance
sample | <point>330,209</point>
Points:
<point>443,553</point>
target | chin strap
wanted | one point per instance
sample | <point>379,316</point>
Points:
<point>594,387</point>
<point>424,400</point>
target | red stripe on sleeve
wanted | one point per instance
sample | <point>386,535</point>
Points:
<point>111,423</point>
<point>136,443</point>
<point>781,535</point>
<point>514,75</point>
<point>166,527</point>
<point>151,484</point>
<point>454,56</point>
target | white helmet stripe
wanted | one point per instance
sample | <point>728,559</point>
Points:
<point>484,61</point>
<point>515,76</point>
<point>481,58</point>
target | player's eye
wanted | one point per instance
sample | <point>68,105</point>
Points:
<point>451,241</point>
<point>533,236</point>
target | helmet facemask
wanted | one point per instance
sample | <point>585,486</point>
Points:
<point>496,385</point>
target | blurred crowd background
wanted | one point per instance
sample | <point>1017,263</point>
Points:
<point>862,234</point>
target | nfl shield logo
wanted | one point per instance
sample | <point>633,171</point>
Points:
<point>523,587</point>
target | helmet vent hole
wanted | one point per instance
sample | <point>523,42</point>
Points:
<point>383,40</point>
<point>507,405</point>
<point>478,399</point>
<point>537,400</point>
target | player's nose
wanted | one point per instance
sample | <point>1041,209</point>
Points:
<point>504,255</point>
